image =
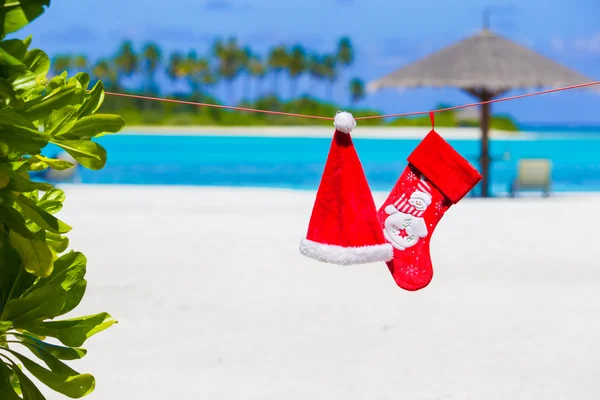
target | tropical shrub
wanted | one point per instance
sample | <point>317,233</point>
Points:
<point>39,279</point>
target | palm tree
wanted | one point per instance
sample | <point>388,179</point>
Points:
<point>102,70</point>
<point>330,72</point>
<point>315,68</point>
<point>151,59</point>
<point>278,61</point>
<point>61,63</point>
<point>209,79</point>
<point>357,90</point>
<point>345,52</point>
<point>176,69</point>
<point>228,55</point>
<point>199,69</point>
<point>126,60</point>
<point>245,57</point>
<point>188,66</point>
<point>80,62</point>
<point>296,67</point>
<point>257,70</point>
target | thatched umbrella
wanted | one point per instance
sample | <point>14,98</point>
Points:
<point>484,65</point>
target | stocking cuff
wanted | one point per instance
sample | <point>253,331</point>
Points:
<point>450,172</point>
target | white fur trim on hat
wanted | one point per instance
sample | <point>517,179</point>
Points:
<point>346,255</point>
<point>344,122</point>
<point>421,196</point>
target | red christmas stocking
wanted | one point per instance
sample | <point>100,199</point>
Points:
<point>436,178</point>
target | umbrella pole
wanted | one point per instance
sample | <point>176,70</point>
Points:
<point>484,124</point>
<point>485,150</point>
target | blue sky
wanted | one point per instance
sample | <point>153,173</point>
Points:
<point>387,35</point>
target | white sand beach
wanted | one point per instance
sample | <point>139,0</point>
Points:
<point>368,132</point>
<point>214,301</point>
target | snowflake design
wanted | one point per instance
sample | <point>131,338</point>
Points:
<point>411,177</point>
<point>411,270</point>
<point>438,206</point>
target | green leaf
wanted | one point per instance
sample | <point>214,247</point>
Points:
<point>30,391</point>
<point>62,120</point>
<point>18,13</point>
<point>33,195</point>
<point>4,178</point>
<point>54,194</point>
<point>94,125</point>
<point>17,165</point>
<point>74,296</point>
<point>37,166</point>
<point>4,149</point>
<point>37,306</point>
<point>74,332</point>
<point>42,218</point>
<point>89,154</point>
<point>60,352</point>
<point>68,270</point>
<point>37,257</point>
<point>38,62</point>
<point>59,377</point>
<point>57,242</point>
<point>50,206</point>
<point>31,94</point>
<point>13,280</point>
<point>5,325</point>
<point>14,47</point>
<point>93,103</point>
<point>15,221</point>
<point>11,117</point>
<point>14,381</point>
<point>19,183</point>
<point>6,388</point>
<point>8,59</point>
<point>60,97</point>
<point>19,135</point>
<point>23,132</point>
<point>60,165</point>
<point>27,42</point>
<point>27,185</point>
<point>56,82</point>
<point>83,78</point>
<point>22,80</point>
<point>74,81</point>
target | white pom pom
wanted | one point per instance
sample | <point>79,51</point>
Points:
<point>344,122</point>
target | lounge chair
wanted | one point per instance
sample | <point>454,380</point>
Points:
<point>532,174</point>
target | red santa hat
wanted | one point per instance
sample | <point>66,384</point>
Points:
<point>344,228</point>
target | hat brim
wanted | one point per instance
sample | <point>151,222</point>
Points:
<point>346,255</point>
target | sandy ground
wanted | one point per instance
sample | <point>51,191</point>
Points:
<point>369,132</point>
<point>215,301</point>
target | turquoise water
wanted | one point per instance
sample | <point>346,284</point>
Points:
<point>298,162</point>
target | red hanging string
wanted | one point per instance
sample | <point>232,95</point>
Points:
<point>431,112</point>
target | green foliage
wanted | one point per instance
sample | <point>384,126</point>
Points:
<point>39,279</point>
<point>261,83</point>
<point>499,122</point>
<point>15,14</point>
<point>185,115</point>
<point>357,90</point>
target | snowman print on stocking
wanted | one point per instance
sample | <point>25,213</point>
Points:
<point>405,225</point>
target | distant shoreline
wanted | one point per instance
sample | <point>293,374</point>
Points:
<point>368,132</point>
